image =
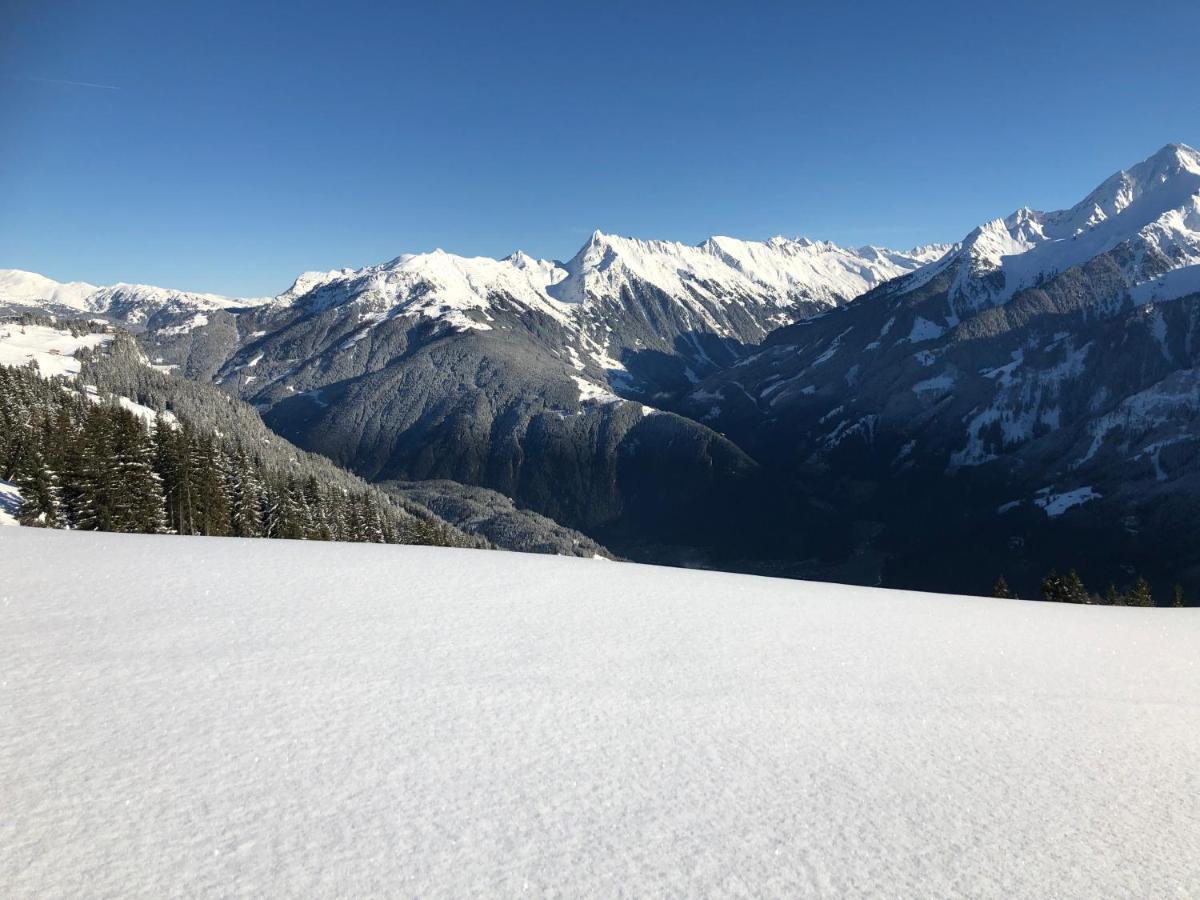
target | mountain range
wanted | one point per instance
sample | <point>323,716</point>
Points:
<point>1022,398</point>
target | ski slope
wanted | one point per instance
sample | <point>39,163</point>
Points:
<point>214,717</point>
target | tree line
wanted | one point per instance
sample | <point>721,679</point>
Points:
<point>1070,588</point>
<point>84,463</point>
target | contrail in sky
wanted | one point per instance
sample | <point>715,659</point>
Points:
<point>84,84</point>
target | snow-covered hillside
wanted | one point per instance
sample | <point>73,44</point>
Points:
<point>261,718</point>
<point>51,349</point>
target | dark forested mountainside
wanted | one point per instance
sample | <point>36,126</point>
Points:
<point>481,518</point>
<point>494,516</point>
<point>490,520</point>
<point>85,463</point>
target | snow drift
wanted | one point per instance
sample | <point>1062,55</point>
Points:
<point>215,717</point>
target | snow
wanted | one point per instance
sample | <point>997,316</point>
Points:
<point>19,345</point>
<point>777,271</point>
<point>268,718</point>
<point>146,414</point>
<point>593,393</point>
<point>10,502</point>
<point>1057,504</point>
<point>199,320</point>
<point>435,285</point>
<point>939,383</point>
<point>51,349</point>
<point>1176,283</point>
<point>1176,397</point>
<point>31,289</point>
<point>459,290</point>
<point>1153,209</point>
<point>1024,395</point>
<point>1005,372</point>
<point>129,302</point>
<point>924,330</point>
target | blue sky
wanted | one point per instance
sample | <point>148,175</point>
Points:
<point>228,146</point>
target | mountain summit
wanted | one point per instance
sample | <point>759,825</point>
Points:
<point>1148,214</point>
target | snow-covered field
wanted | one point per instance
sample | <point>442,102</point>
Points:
<point>51,349</point>
<point>214,717</point>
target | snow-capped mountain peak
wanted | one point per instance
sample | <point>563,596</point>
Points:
<point>1169,177</point>
<point>19,287</point>
<point>1149,209</point>
<point>436,285</point>
<point>778,271</point>
<point>175,312</point>
<point>772,274</point>
<point>461,290</point>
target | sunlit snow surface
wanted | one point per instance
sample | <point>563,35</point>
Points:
<point>10,502</point>
<point>212,717</point>
<point>52,350</point>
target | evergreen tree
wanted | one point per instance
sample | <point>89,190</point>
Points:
<point>1054,588</point>
<point>136,501</point>
<point>1000,589</point>
<point>41,503</point>
<point>1112,597</point>
<point>246,498</point>
<point>1140,595</point>
<point>170,461</point>
<point>319,506</point>
<point>208,486</point>
<point>288,518</point>
<point>1073,589</point>
<point>94,486</point>
<point>1177,596</point>
<point>84,462</point>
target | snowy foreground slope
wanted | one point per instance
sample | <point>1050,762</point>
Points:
<point>213,717</point>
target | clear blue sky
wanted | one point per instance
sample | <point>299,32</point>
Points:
<point>228,146</point>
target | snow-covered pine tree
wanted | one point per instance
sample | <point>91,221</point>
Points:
<point>41,501</point>
<point>316,502</point>
<point>290,512</point>
<point>208,482</point>
<point>170,461</point>
<point>137,501</point>
<point>372,525</point>
<point>245,497</point>
<point>95,476</point>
